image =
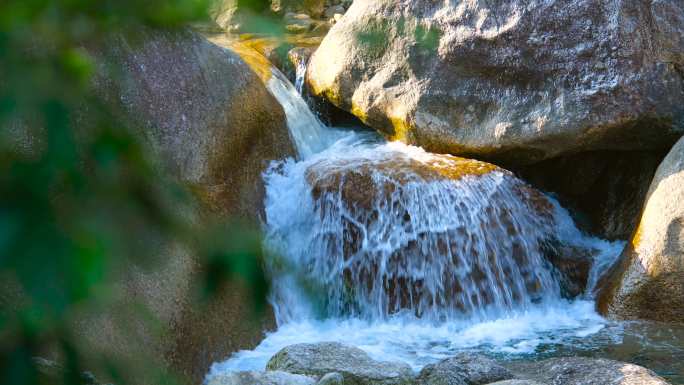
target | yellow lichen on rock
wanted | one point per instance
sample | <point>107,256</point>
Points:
<point>649,281</point>
<point>256,61</point>
<point>454,168</point>
<point>248,49</point>
<point>636,238</point>
<point>401,129</point>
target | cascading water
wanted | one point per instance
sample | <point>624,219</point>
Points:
<point>379,230</point>
<point>300,76</point>
<point>410,255</point>
<point>309,134</point>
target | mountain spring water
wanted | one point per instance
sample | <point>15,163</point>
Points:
<point>409,255</point>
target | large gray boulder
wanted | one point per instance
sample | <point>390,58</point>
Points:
<point>508,79</point>
<point>369,194</point>
<point>203,111</point>
<point>588,371</point>
<point>355,366</point>
<point>649,281</point>
<point>260,378</point>
<point>214,127</point>
<point>463,369</point>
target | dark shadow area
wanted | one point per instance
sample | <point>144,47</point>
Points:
<point>604,190</point>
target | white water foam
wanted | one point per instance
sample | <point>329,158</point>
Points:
<point>468,248</point>
<point>402,336</point>
<point>418,343</point>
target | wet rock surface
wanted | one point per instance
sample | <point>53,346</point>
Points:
<point>509,80</point>
<point>587,371</point>
<point>373,196</point>
<point>338,364</point>
<point>648,283</point>
<point>355,366</point>
<point>517,382</point>
<point>572,266</point>
<point>260,378</point>
<point>463,369</point>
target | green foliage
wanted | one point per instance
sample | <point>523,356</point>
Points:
<point>233,252</point>
<point>374,37</point>
<point>79,200</point>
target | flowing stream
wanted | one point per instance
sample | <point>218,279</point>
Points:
<point>413,256</point>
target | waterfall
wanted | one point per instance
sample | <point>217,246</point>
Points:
<point>408,254</point>
<point>366,228</point>
<point>375,229</point>
<point>309,134</point>
<point>300,76</point>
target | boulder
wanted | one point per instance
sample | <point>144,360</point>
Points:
<point>488,246</point>
<point>648,283</point>
<point>509,80</point>
<point>203,111</point>
<point>260,378</point>
<point>214,127</point>
<point>463,369</point>
<point>299,56</point>
<point>588,371</point>
<point>223,12</point>
<point>516,382</point>
<point>572,265</point>
<point>355,366</point>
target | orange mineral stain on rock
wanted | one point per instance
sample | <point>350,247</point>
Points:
<point>255,60</point>
<point>636,238</point>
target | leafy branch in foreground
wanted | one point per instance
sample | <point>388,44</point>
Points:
<point>79,198</point>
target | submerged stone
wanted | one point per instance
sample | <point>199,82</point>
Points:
<point>260,378</point>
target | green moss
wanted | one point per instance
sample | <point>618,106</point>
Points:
<point>427,38</point>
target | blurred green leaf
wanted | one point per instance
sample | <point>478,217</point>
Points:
<point>80,199</point>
